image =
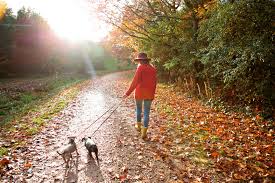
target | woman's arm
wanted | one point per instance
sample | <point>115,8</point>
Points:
<point>135,82</point>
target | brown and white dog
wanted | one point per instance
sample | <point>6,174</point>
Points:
<point>66,151</point>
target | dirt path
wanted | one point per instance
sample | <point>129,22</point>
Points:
<point>188,142</point>
<point>123,155</point>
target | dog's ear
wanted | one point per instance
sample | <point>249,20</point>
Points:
<point>72,137</point>
<point>90,137</point>
<point>82,140</point>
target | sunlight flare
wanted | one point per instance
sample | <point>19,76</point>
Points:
<point>70,19</point>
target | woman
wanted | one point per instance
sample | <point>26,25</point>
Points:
<point>144,84</point>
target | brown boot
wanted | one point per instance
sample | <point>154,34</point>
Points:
<point>138,126</point>
<point>144,133</point>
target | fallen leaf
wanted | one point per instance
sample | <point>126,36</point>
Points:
<point>259,169</point>
<point>220,119</point>
<point>4,162</point>
<point>123,177</point>
<point>215,154</point>
<point>27,165</point>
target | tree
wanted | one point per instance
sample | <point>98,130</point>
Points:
<point>34,43</point>
<point>239,50</point>
<point>6,32</point>
<point>6,39</point>
<point>227,42</point>
<point>166,29</point>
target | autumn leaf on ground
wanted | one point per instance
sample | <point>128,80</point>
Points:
<point>27,165</point>
<point>123,177</point>
<point>4,162</point>
<point>123,174</point>
<point>215,154</point>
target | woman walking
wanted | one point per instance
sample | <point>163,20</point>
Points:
<point>144,84</point>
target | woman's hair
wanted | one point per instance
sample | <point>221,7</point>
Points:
<point>144,61</point>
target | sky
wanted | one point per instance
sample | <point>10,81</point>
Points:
<point>70,19</point>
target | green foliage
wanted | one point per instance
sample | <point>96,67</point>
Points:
<point>13,104</point>
<point>6,37</point>
<point>36,49</point>
<point>226,43</point>
<point>3,151</point>
<point>38,121</point>
<point>88,57</point>
<point>63,82</point>
<point>173,46</point>
<point>239,51</point>
<point>27,98</point>
<point>32,131</point>
<point>171,64</point>
<point>110,64</point>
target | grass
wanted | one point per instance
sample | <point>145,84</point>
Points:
<point>32,130</point>
<point>15,104</point>
<point>25,111</point>
<point>3,151</point>
<point>27,98</point>
<point>38,121</point>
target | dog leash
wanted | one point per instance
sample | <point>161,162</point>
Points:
<point>115,106</point>
<point>106,118</point>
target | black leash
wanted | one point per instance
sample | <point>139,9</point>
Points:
<point>107,118</point>
<point>112,107</point>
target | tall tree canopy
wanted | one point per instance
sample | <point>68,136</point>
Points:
<point>6,33</point>
<point>227,42</point>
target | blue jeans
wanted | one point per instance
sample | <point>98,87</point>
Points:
<point>147,107</point>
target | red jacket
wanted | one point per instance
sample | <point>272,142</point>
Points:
<point>145,81</point>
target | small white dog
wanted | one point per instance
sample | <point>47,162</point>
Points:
<point>66,151</point>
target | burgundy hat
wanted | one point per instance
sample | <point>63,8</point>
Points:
<point>142,56</point>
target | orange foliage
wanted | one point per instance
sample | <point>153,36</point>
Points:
<point>3,7</point>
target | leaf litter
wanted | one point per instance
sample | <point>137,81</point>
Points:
<point>188,142</point>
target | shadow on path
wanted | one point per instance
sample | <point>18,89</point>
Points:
<point>92,170</point>
<point>71,173</point>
